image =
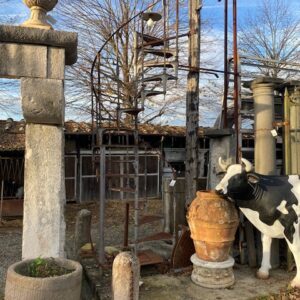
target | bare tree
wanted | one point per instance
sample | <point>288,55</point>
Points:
<point>96,21</point>
<point>272,31</point>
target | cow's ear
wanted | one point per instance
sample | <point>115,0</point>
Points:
<point>252,178</point>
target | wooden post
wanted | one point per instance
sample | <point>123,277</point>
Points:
<point>192,102</point>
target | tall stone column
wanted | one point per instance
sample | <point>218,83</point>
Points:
<point>38,57</point>
<point>265,143</point>
<point>265,146</point>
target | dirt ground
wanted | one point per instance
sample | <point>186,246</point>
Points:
<point>154,286</point>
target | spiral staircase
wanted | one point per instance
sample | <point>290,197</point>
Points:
<point>115,120</point>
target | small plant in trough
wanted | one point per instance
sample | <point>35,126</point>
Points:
<point>42,268</point>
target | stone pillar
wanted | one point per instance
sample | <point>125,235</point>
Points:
<point>265,146</point>
<point>294,129</point>
<point>38,58</point>
<point>125,277</point>
<point>44,197</point>
<point>82,230</point>
<point>265,143</point>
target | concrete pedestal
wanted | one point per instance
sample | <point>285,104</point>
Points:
<point>213,275</point>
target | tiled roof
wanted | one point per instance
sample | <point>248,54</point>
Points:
<point>12,133</point>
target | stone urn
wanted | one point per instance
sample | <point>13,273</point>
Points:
<point>20,284</point>
<point>213,222</point>
<point>39,9</point>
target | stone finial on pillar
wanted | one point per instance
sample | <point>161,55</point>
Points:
<point>39,9</point>
<point>125,277</point>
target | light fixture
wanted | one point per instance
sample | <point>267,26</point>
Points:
<point>151,18</point>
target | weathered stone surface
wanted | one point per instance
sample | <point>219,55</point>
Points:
<point>33,61</point>
<point>43,222</point>
<point>23,60</point>
<point>214,275</point>
<point>43,101</point>
<point>82,230</point>
<point>56,63</point>
<point>125,277</point>
<point>53,38</point>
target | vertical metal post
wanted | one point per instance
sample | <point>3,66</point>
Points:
<point>136,195</point>
<point>126,226</point>
<point>225,124</point>
<point>236,87</point>
<point>287,142</point>
<point>192,101</point>
<point>177,40</point>
<point>1,204</point>
<point>101,255</point>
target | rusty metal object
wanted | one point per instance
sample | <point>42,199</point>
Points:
<point>148,257</point>
<point>183,250</point>
<point>12,208</point>
<point>213,222</point>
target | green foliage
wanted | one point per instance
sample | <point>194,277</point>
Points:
<point>42,268</point>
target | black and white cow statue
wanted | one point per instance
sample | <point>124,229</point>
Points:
<point>270,203</point>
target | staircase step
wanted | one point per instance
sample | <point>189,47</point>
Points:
<point>159,64</point>
<point>149,93</point>
<point>131,111</point>
<point>148,257</point>
<point>161,236</point>
<point>149,219</point>
<point>150,40</point>
<point>159,78</point>
<point>161,52</point>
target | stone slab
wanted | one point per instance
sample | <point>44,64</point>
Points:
<point>23,60</point>
<point>44,201</point>
<point>43,101</point>
<point>53,38</point>
<point>55,63</point>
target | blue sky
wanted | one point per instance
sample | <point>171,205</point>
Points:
<point>16,10</point>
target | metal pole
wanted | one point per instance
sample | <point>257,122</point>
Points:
<point>287,142</point>
<point>1,205</point>
<point>126,227</point>
<point>236,87</point>
<point>225,124</point>
<point>101,255</point>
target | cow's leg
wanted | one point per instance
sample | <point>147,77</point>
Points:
<point>295,248</point>
<point>263,272</point>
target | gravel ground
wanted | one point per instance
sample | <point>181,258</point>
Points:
<point>11,231</point>
<point>10,251</point>
<point>155,286</point>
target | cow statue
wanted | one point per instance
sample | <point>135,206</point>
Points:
<point>270,203</point>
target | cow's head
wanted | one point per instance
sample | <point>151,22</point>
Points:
<point>235,180</point>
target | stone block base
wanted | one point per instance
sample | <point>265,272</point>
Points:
<point>213,275</point>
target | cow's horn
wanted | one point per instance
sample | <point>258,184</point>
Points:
<point>247,164</point>
<point>222,164</point>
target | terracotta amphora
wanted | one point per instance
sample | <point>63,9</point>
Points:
<point>213,221</point>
